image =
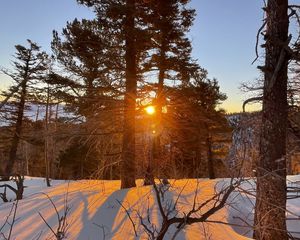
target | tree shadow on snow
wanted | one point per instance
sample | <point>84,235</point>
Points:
<point>102,224</point>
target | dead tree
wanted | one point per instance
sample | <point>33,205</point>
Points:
<point>219,201</point>
<point>171,215</point>
<point>18,190</point>
<point>270,222</point>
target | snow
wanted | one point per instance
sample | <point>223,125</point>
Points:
<point>243,202</point>
<point>96,212</point>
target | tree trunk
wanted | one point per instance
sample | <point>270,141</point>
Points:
<point>149,178</point>
<point>210,164</point>
<point>159,105</point>
<point>128,153</point>
<point>270,222</point>
<point>46,150</point>
<point>160,92</point>
<point>17,133</point>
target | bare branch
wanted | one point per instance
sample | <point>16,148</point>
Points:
<point>128,214</point>
<point>257,40</point>
<point>250,100</point>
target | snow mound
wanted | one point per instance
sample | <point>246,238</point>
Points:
<point>99,210</point>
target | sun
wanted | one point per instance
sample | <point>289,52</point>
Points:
<point>150,110</point>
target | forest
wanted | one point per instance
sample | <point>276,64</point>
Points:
<point>118,132</point>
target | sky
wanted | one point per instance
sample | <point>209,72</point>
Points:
<point>223,36</point>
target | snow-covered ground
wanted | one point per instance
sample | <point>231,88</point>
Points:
<point>96,212</point>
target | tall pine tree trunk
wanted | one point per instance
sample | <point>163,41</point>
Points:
<point>159,105</point>
<point>270,222</point>
<point>210,163</point>
<point>18,130</point>
<point>160,98</point>
<point>46,146</point>
<point>128,153</point>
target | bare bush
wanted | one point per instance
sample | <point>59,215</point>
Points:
<point>172,214</point>
<point>12,215</point>
<point>60,232</point>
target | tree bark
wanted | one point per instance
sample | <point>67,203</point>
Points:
<point>18,130</point>
<point>128,153</point>
<point>160,98</point>
<point>210,164</point>
<point>46,150</point>
<point>270,222</point>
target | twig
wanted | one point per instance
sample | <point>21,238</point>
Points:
<point>128,214</point>
<point>257,40</point>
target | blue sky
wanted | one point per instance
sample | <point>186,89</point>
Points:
<point>223,36</point>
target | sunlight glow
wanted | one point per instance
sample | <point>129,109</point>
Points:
<point>150,110</point>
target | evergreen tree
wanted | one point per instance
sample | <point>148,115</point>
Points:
<point>92,66</point>
<point>128,150</point>
<point>194,124</point>
<point>168,22</point>
<point>120,17</point>
<point>29,65</point>
<point>169,55</point>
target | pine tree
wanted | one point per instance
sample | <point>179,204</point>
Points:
<point>169,22</point>
<point>120,17</point>
<point>128,150</point>
<point>91,66</point>
<point>29,65</point>
<point>169,53</point>
<point>194,124</point>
